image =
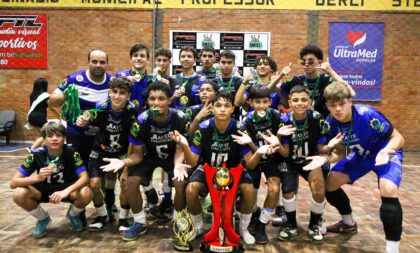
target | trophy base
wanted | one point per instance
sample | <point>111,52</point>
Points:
<point>206,248</point>
<point>183,248</point>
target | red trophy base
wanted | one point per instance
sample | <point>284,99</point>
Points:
<point>222,236</point>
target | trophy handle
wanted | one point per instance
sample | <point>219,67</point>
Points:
<point>231,235</point>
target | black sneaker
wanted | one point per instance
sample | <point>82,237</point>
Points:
<point>341,227</point>
<point>260,234</point>
<point>98,223</point>
<point>166,206</point>
<point>281,218</point>
<point>155,212</point>
<point>123,225</point>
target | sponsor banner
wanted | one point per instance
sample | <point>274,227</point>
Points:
<point>356,54</point>
<point>361,5</point>
<point>246,46</point>
<point>23,41</point>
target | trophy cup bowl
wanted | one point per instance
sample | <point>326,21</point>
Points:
<point>223,177</point>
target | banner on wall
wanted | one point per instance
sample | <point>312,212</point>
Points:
<point>356,54</point>
<point>358,5</point>
<point>23,41</point>
<point>247,46</point>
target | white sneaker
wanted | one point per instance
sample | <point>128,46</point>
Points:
<point>247,237</point>
<point>197,232</point>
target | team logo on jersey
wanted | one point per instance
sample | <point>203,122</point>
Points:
<point>28,161</point>
<point>184,100</point>
<point>135,129</point>
<point>187,127</point>
<point>197,138</point>
<point>189,113</point>
<point>77,159</point>
<point>375,124</point>
<point>325,126</point>
<point>79,78</point>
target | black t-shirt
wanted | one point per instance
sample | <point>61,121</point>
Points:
<point>191,85</point>
<point>255,126</point>
<point>316,86</point>
<point>215,148</point>
<point>154,136</point>
<point>69,165</point>
<point>312,135</point>
<point>112,138</point>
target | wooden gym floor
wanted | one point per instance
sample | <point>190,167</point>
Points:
<point>16,225</point>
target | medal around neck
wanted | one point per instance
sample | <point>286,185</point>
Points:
<point>183,230</point>
<point>153,111</point>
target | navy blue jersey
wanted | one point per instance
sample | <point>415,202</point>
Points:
<point>138,91</point>
<point>312,135</point>
<point>191,85</point>
<point>112,138</point>
<point>255,126</point>
<point>316,86</point>
<point>230,84</point>
<point>215,148</point>
<point>154,136</point>
<point>367,133</point>
<point>194,110</point>
<point>90,93</point>
<point>209,74</point>
<point>69,165</point>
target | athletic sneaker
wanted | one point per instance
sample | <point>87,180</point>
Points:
<point>247,238</point>
<point>197,232</point>
<point>166,206</point>
<point>341,227</point>
<point>315,234</point>
<point>281,218</point>
<point>134,231</point>
<point>41,227</point>
<point>287,232</point>
<point>76,224</point>
<point>123,225</point>
<point>98,223</point>
<point>155,212</point>
<point>255,217</point>
<point>110,213</point>
<point>260,234</point>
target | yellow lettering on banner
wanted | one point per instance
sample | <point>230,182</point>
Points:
<point>363,5</point>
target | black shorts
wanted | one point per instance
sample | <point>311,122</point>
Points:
<point>199,176</point>
<point>305,173</point>
<point>95,163</point>
<point>47,189</point>
<point>145,170</point>
<point>270,169</point>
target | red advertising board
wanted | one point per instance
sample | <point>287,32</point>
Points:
<point>23,41</point>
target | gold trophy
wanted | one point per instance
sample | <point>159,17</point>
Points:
<point>183,230</point>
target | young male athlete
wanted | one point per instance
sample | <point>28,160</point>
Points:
<point>259,124</point>
<point>151,132</point>
<point>54,173</point>
<point>213,144</point>
<point>208,58</point>
<point>374,145</point>
<point>304,138</point>
<point>113,118</point>
<point>311,59</point>
<point>187,83</point>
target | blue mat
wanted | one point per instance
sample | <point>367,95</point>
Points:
<point>13,147</point>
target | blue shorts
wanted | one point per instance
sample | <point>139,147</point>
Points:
<point>356,166</point>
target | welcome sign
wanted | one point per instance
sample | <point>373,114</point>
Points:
<point>356,54</point>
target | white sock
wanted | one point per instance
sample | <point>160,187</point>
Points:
<point>74,210</point>
<point>316,207</point>
<point>198,221</point>
<point>244,220</point>
<point>39,213</point>
<point>140,217</point>
<point>102,210</point>
<point>348,219</point>
<point>266,214</point>
<point>392,246</point>
<point>290,204</point>
<point>174,214</point>
<point>280,201</point>
<point>123,213</point>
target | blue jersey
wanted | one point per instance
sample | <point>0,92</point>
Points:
<point>138,92</point>
<point>90,93</point>
<point>191,86</point>
<point>367,133</point>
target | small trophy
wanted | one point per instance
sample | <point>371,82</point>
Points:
<point>183,230</point>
